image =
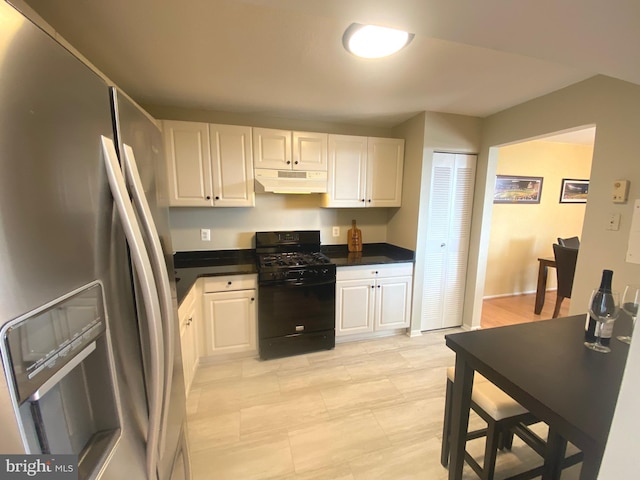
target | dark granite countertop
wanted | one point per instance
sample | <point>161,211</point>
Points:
<point>372,253</point>
<point>189,266</point>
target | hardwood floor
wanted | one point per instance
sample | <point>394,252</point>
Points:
<point>497,312</point>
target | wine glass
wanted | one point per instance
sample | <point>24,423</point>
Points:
<point>603,308</point>
<point>630,304</point>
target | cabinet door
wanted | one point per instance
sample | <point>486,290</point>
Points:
<point>230,322</point>
<point>447,243</point>
<point>232,165</point>
<point>310,151</point>
<point>187,314</point>
<point>347,169</point>
<point>272,148</point>
<point>354,306</point>
<point>190,349</point>
<point>385,161</point>
<point>186,147</point>
<point>393,302</point>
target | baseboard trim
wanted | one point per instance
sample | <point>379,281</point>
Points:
<point>501,295</point>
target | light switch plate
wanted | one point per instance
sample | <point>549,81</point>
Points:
<point>205,234</point>
<point>614,222</point>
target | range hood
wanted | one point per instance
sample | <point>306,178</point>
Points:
<point>290,181</point>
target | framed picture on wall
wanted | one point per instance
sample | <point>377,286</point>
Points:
<point>517,189</point>
<point>574,191</point>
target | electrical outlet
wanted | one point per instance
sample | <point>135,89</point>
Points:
<point>336,231</point>
<point>205,234</point>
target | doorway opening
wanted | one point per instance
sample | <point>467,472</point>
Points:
<point>524,229</point>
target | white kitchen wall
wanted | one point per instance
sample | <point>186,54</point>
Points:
<point>235,227</point>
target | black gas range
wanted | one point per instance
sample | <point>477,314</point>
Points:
<point>296,288</point>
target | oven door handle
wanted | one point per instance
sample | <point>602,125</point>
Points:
<point>304,283</point>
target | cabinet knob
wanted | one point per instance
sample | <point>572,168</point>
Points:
<point>217,197</point>
<point>208,197</point>
<point>373,286</point>
<point>252,299</point>
<point>363,200</point>
<point>296,162</point>
<point>443,244</point>
<point>369,200</point>
<point>229,282</point>
<point>289,162</point>
<point>378,286</point>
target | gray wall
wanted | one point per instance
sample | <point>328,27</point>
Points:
<point>425,134</point>
<point>613,106</point>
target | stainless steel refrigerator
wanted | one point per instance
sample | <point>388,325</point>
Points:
<point>88,316</point>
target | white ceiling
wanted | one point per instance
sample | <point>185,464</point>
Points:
<point>285,57</point>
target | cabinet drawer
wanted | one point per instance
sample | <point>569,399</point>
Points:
<point>229,283</point>
<point>374,271</point>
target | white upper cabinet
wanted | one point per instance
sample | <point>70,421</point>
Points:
<point>232,166</point>
<point>287,150</point>
<point>186,146</point>
<point>310,151</point>
<point>347,172</point>
<point>272,148</point>
<point>209,165</point>
<point>364,172</point>
<point>385,162</point>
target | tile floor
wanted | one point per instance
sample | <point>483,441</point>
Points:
<point>365,410</point>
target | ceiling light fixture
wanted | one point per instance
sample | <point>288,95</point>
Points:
<point>371,41</point>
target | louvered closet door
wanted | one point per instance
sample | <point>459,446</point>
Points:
<point>447,245</point>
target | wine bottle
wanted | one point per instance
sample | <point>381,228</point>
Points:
<point>590,323</point>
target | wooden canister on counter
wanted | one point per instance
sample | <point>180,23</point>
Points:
<point>354,238</point>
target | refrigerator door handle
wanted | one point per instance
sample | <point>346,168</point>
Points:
<point>159,266</point>
<point>144,273</point>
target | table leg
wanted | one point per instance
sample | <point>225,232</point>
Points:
<point>591,465</point>
<point>541,289</point>
<point>554,455</point>
<point>460,405</point>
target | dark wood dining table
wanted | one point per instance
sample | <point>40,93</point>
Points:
<point>541,289</point>
<point>544,366</point>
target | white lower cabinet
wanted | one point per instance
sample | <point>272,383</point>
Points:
<point>230,314</point>
<point>188,315</point>
<point>371,298</point>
